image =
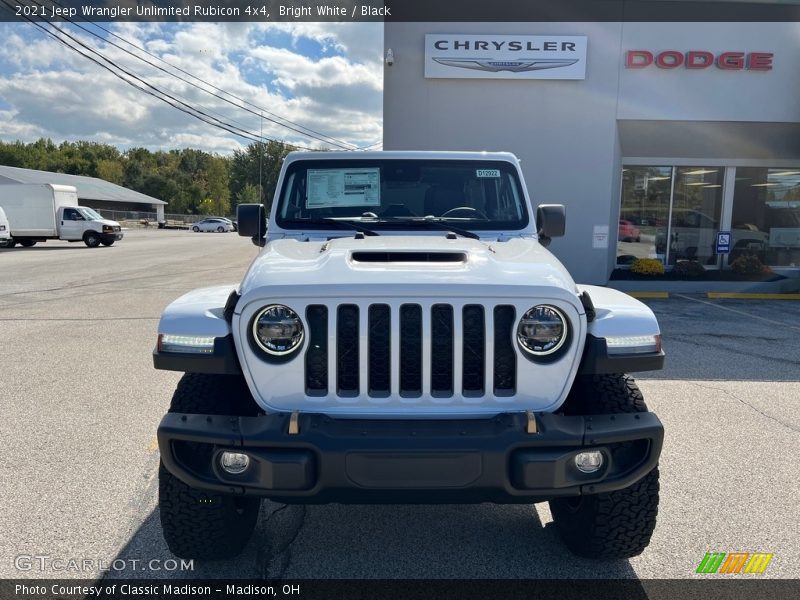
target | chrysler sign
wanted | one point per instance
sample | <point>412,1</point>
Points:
<point>488,56</point>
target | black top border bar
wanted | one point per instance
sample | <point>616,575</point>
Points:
<point>400,10</point>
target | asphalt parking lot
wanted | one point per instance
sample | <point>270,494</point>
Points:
<point>81,403</point>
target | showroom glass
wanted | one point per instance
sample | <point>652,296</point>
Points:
<point>696,214</point>
<point>644,212</point>
<point>766,215</point>
<point>679,204</point>
<point>473,195</point>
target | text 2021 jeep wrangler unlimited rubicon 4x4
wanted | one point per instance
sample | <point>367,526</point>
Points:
<point>404,336</point>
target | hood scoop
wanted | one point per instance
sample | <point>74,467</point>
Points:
<point>403,256</point>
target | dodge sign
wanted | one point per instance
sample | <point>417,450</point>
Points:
<point>505,56</point>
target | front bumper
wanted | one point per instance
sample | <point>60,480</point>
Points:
<point>114,236</point>
<point>410,461</point>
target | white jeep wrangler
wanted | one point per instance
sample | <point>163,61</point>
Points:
<point>405,337</point>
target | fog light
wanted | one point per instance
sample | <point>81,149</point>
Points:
<point>234,462</point>
<point>589,462</point>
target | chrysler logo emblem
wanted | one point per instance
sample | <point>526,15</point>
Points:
<point>514,66</point>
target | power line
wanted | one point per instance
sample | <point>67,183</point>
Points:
<point>313,133</point>
<point>156,92</point>
<point>114,65</point>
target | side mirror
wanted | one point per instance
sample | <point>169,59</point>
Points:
<point>252,222</point>
<point>550,222</point>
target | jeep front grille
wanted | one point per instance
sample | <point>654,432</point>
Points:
<point>455,340</point>
<point>442,350</point>
<point>380,351</point>
<point>347,379</point>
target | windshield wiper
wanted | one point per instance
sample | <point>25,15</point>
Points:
<point>435,222</point>
<point>340,223</point>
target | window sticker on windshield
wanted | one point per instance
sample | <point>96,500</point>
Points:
<point>331,188</point>
<point>493,173</point>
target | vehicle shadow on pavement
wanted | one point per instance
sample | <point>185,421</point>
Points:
<point>483,541</point>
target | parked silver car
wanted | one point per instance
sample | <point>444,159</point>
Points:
<point>213,224</point>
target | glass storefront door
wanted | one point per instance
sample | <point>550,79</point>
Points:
<point>696,214</point>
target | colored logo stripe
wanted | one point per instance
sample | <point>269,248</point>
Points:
<point>735,562</point>
<point>711,562</point>
<point>758,563</point>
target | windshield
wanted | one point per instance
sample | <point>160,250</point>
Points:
<point>470,194</point>
<point>89,214</point>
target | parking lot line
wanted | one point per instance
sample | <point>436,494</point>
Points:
<point>739,312</point>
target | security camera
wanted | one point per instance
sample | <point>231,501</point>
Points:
<point>389,57</point>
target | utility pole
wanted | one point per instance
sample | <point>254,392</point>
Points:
<point>261,160</point>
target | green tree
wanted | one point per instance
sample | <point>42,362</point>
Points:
<point>256,160</point>
<point>111,170</point>
<point>218,184</point>
<point>247,195</point>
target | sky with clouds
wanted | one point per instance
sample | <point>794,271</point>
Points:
<point>325,76</point>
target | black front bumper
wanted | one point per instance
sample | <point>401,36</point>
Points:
<point>410,461</point>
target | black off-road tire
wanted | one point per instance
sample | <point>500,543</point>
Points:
<point>91,239</point>
<point>27,243</point>
<point>199,524</point>
<point>612,525</point>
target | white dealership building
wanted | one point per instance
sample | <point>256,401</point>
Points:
<point>657,136</point>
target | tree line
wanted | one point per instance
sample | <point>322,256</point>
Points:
<point>191,181</point>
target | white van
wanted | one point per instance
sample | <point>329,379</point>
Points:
<point>42,212</point>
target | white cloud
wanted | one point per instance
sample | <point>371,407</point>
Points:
<point>48,90</point>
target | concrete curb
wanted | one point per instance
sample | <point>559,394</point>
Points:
<point>642,295</point>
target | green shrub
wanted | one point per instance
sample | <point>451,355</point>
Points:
<point>689,268</point>
<point>647,266</point>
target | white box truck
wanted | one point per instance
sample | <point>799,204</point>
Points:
<point>41,212</point>
<point>5,230</point>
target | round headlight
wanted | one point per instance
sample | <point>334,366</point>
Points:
<point>542,330</point>
<point>278,330</point>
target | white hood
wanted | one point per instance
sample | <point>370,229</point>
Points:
<point>515,264</point>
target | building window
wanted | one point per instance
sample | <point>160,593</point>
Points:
<point>679,204</point>
<point>766,215</point>
<point>644,212</point>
